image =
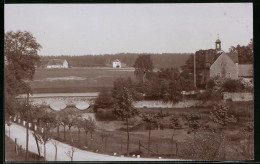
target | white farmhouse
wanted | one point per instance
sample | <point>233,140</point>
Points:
<point>116,64</point>
<point>58,63</point>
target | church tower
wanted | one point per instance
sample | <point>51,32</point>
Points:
<point>218,45</point>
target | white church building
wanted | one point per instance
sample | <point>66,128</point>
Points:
<point>116,64</point>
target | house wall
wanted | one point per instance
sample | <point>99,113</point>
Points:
<point>224,65</point>
<point>65,64</point>
<point>115,64</point>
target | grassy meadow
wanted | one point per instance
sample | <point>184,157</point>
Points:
<point>75,80</point>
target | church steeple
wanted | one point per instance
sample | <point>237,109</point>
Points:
<point>218,44</point>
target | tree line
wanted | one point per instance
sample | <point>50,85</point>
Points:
<point>163,60</point>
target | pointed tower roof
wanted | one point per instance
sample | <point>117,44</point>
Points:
<point>218,41</point>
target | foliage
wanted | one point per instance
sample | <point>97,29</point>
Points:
<point>123,107</point>
<point>201,57</point>
<point>143,66</point>
<point>150,118</point>
<point>220,114</point>
<point>21,54</point>
<point>231,85</point>
<point>210,84</point>
<point>89,124</point>
<point>105,115</point>
<point>175,122</point>
<point>118,88</point>
<point>245,53</point>
<point>104,100</point>
<point>20,51</point>
<point>193,122</point>
<point>166,85</point>
<point>209,95</point>
<point>207,146</point>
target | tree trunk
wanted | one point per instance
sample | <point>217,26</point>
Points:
<point>86,138</point>
<point>58,130</point>
<point>37,144</point>
<point>248,147</point>
<point>56,151</point>
<point>70,133</point>
<point>44,150</point>
<point>105,143</point>
<point>121,145</point>
<point>78,135</point>
<point>149,139</point>
<point>64,135</point>
<point>176,148</point>
<point>9,131</point>
<point>91,139</point>
<point>127,151</point>
<point>172,142</point>
<point>72,154</point>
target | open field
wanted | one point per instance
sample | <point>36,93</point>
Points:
<point>75,80</point>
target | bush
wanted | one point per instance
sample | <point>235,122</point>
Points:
<point>232,86</point>
<point>104,100</point>
<point>105,115</point>
<point>209,94</point>
<point>210,84</point>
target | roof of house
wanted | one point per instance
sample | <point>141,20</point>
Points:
<point>211,58</point>
<point>245,70</point>
<point>116,60</point>
<point>56,62</point>
<point>233,56</point>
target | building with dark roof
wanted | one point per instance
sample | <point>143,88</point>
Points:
<point>223,65</point>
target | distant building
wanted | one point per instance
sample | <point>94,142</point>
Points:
<point>223,65</point>
<point>116,64</point>
<point>57,63</point>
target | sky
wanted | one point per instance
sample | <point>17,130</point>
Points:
<point>92,29</point>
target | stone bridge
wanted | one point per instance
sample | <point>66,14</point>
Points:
<point>70,99</point>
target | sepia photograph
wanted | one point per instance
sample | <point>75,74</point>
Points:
<point>128,82</point>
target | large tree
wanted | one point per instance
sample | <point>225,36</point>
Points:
<point>124,109</point>
<point>21,55</point>
<point>245,53</point>
<point>143,67</point>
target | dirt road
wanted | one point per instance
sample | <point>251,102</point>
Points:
<point>19,132</point>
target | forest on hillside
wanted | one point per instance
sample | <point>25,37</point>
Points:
<point>165,60</point>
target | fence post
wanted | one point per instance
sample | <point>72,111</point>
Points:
<point>176,148</point>
<point>15,145</point>
<point>139,147</point>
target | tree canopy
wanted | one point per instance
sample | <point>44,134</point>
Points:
<point>21,55</point>
<point>245,53</point>
<point>143,66</point>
